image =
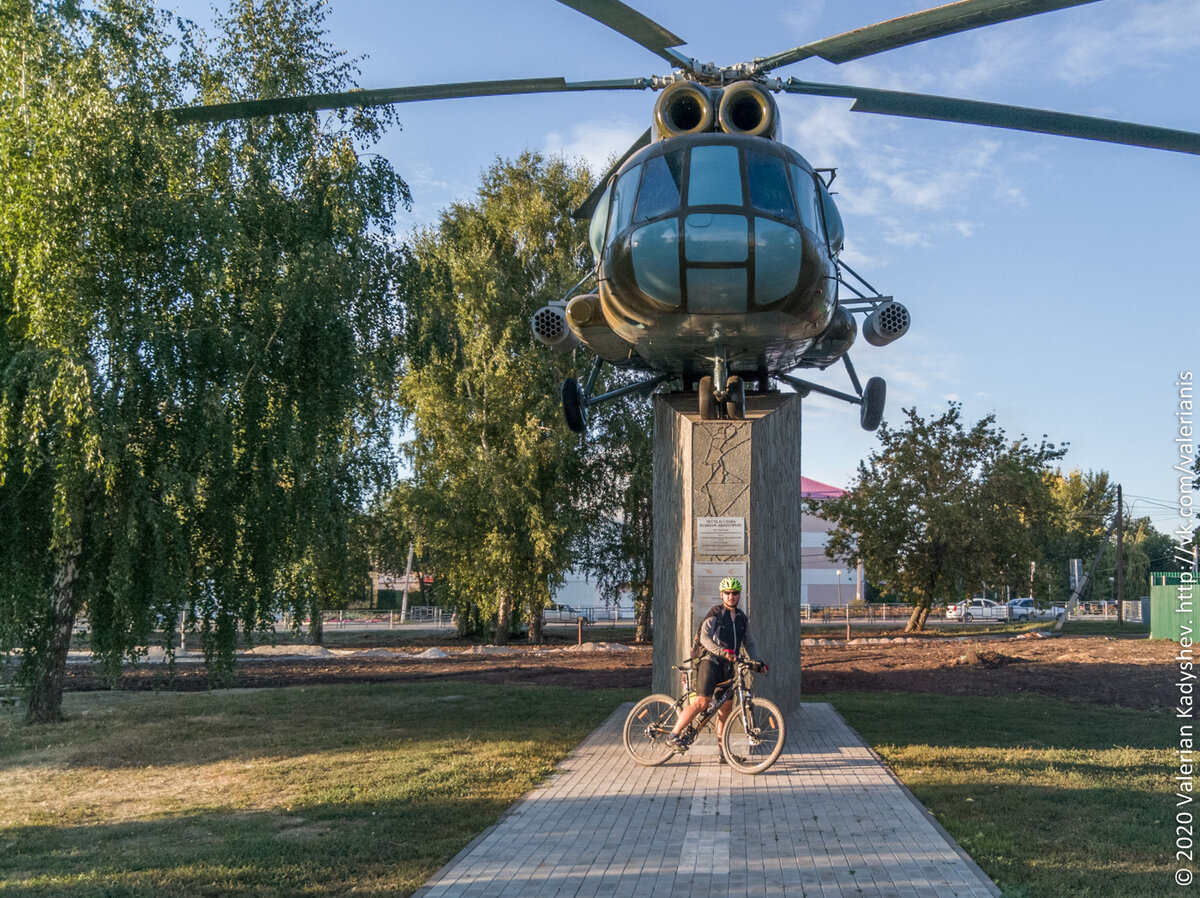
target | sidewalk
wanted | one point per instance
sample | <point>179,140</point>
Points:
<point>827,820</point>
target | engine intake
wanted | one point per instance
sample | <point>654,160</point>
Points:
<point>550,327</point>
<point>683,108</point>
<point>886,324</point>
<point>748,108</point>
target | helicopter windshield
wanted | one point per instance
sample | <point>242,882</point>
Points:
<point>714,225</point>
<point>599,223</point>
<point>806,198</point>
<point>622,205</point>
<point>715,178</point>
<point>769,190</point>
<point>661,185</point>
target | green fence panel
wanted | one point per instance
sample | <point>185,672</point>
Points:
<point>1172,606</point>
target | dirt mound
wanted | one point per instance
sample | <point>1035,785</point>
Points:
<point>598,647</point>
<point>489,650</point>
<point>293,651</point>
<point>984,658</point>
<point>430,654</point>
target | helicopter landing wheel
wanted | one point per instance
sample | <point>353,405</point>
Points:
<point>574,407</point>
<point>708,401</point>
<point>735,398</point>
<point>873,398</point>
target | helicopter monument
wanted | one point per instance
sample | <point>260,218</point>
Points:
<point>717,247</point>
<point>718,267</point>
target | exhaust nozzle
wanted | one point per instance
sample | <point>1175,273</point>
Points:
<point>748,108</point>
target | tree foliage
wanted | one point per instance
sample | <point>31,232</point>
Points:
<point>195,331</point>
<point>494,470</point>
<point>941,508</point>
<point>1084,506</point>
<point>617,546</point>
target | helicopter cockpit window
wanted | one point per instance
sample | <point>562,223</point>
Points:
<point>622,206</point>
<point>716,178</point>
<point>599,221</point>
<point>833,221</point>
<point>806,197</point>
<point>769,191</point>
<point>659,193</point>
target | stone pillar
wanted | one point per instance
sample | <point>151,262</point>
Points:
<point>729,469</point>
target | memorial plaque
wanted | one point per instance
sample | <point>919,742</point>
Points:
<point>720,536</point>
<point>706,585</point>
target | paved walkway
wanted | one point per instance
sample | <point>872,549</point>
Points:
<point>827,819</point>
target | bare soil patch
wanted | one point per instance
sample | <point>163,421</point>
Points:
<point>1134,673</point>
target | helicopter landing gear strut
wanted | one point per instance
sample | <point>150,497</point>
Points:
<point>870,399</point>
<point>577,398</point>
<point>722,395</point>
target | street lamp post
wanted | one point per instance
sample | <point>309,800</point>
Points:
<point>839,583</point>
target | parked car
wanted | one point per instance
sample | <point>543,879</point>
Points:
<point>557,612</point>
<point>977,609</point>
<point>1026,609</point>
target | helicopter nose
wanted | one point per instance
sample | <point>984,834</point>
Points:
<point>717,268</point>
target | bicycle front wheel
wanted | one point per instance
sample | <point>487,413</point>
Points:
<point>647,728</point>
<point>753,737</point>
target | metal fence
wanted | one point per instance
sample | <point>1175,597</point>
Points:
<point>435,617</point>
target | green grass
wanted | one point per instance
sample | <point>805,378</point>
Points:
<point>1050,797</point>
<point>303,791</point>
<point>371,788</point>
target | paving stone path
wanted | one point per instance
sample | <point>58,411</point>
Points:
<point>828,819</point>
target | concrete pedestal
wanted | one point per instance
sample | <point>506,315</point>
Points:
<point>724,470</point>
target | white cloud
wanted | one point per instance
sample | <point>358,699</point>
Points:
<point>1147,32</point>
<point>801,21</point>
<point>914,368</point>
<point>894,234</point>
<point>1010,193</point>
<point>822,130</point>
<point>597,142</point>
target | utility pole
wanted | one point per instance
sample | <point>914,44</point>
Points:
<point>407,577</point>
<point>1120,555</point>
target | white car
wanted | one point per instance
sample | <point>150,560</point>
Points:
<point>977,609</point>
<point>1026,609</point>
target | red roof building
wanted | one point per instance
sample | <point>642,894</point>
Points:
<point>823,580</point>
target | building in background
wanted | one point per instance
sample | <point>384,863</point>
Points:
<point>823,580</point>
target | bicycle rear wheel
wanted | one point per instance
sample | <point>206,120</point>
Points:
<point>647,728</point>
<point>753,743</point>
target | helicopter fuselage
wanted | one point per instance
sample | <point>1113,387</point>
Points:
<point>713,246</point>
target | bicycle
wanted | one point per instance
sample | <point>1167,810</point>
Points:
<point>754,732</point>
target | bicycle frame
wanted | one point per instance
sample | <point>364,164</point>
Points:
<point>751,740</point>
<point>737,684</point>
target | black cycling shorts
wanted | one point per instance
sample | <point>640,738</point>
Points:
<point>712,672</point>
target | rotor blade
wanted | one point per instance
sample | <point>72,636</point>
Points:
<point>638,28</point>
<point>223,112</point>
<point>912,29</point>
<point>588,206</point>
<point>995,115</point>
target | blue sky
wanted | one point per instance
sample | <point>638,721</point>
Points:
<point>1051,281</point>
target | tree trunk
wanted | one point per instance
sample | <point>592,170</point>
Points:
<point>316,623</point>
<point>46,688</point>
<point>916,621</point>
<point>464,620</point>
<point>503,619</point>
<point>641,614</point>
<point>537,613</point>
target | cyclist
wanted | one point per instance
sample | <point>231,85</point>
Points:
<point>724,631</point>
